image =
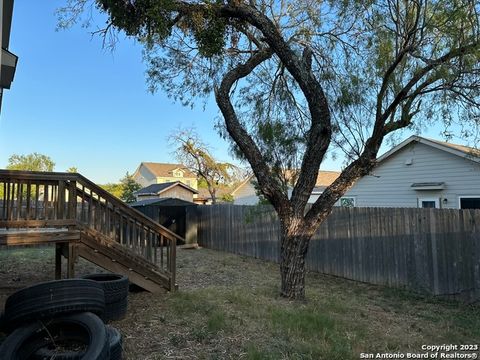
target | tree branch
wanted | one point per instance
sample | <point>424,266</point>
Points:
<point>270,188</point>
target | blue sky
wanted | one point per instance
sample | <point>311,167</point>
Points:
<point>87,107</point>
<point>84,106</point>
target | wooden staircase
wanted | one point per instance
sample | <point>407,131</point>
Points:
<point>84,220</point>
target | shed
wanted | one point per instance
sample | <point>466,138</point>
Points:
<point>177,215</point>
<point>166,190</point>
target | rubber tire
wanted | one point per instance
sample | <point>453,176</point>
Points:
<point>116,310</point>
<point>45,352</point>
<point>114,285</point>
<point>52,299</point>
<point>115,342</point>
<point>25,341</point>
<point>2,321</point>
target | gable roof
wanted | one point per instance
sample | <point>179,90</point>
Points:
<point>455,149</point>
<point>162,201</point>
<point>205,194</point>
<point>324,179</point>
<point>166,169</point>
<point>156,189</point>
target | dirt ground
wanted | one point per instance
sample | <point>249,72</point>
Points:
<point>228,307</point>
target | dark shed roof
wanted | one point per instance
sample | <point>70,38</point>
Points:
<point>162,201</point>
<point>155,189</point>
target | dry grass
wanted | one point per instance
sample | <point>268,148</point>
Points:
<point>228,308</point>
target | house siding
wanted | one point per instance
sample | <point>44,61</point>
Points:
<point>192,182</point>
<point>144,177</point>
<point>177,192</point>
<point>389,184</point>
<point>246,195</point>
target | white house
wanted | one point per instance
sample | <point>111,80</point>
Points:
<point>149,173</point>
<point>421,172</point>
<point>245,193</point>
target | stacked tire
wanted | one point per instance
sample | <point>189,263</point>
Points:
<point>60,320</point>
<point>115,287</point>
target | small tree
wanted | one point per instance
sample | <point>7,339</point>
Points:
<point>196,156</point>
<point>72,169</point>
<point>129,186</point>
<point>30,162</point>
<point>114,189</point>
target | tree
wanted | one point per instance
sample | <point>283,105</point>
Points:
<point>293,79</point>
<point>30,162</point>
<point>195,155</point>
<point>72,169</point>
<point>129,186</point>
<point>115,189</point>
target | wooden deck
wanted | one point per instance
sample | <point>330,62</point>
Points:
<point>84,220</point>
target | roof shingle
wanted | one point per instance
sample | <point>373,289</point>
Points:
<point>166,170</point>
<point>155,189</point>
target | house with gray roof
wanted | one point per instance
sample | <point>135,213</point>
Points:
<point>149,173</point>
<point>176,190</point>
<point>421,172</point>
<point>246,194</point>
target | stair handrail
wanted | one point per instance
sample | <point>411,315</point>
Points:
<point>126,208</point>
<point>61,192</point>
<point>76,177</point>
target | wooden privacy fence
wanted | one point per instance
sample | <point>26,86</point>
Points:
<point>426,250</point>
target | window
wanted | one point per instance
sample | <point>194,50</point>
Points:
<point>178,173</point>
<point>469,202</point>
<point>428,203</point>
<point>347,202</point>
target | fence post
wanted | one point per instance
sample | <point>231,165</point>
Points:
<point>172,263</point>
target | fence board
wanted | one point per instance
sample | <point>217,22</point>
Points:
<point>426,250</point>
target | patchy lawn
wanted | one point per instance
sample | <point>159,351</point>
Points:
<point>228,307</point>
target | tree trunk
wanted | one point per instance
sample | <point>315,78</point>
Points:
<point>213,195</point>
<point>292,264</point>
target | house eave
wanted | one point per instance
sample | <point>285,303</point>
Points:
<point>7,72</point>
<point>415,138</point>
<point>7,13</point>
<point>428,186</point>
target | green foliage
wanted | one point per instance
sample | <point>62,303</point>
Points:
<point>114,189</point>
<point>304,322</point>
<point>72,169</point>
<point>216,321</point>
<point>227,198</point>
<point>196,156</point>
<point>129,186</point>
<point>208,30</point>
<point>30,162</point>
<point>202,184</point>
<point>146,19</point>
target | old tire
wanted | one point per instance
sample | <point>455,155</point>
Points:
<point>114,285</point>
<point>54,298</point>
<point>115,342</point>
<point>26,341</point>
<point>2,321</point>
<point>115,311</point>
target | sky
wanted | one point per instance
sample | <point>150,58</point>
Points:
<point>88,107</point>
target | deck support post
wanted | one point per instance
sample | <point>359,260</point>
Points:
<point>58,261</point>
<point>71,259</point>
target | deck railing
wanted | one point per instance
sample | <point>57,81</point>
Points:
<point>64,200</point>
